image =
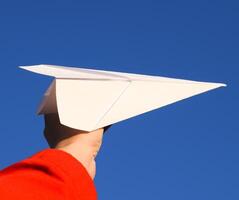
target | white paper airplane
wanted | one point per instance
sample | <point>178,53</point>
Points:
<point>87,99</point>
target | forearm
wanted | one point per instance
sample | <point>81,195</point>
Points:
<point>50,174</point>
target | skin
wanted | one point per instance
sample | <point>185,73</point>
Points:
<point>84,146</point>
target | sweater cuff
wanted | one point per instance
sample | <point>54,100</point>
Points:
<point>71,167</point>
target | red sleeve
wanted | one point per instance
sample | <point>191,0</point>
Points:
<point>48,175</point>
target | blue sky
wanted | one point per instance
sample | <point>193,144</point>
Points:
<point>188,150</point>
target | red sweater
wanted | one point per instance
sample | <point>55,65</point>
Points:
<point>48,175</point>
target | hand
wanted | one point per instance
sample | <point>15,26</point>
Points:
<point>84,146</point>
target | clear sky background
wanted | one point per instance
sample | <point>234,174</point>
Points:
<point>185,151</point>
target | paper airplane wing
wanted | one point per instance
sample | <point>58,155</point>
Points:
<point>90,99</point>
